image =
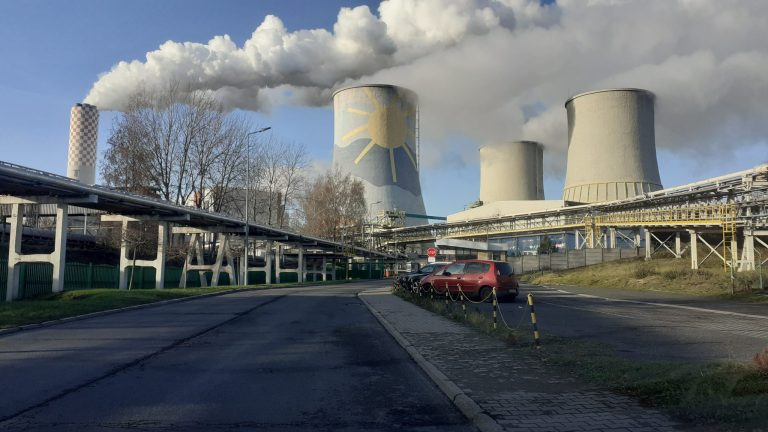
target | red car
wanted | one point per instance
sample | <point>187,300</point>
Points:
<point>476,278</point>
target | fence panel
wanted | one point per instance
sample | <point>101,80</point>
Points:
<point>576,258</point>
<point>3,278</point>
<point>37,279</point>
<point>559,261</point>
<point>611,255</point>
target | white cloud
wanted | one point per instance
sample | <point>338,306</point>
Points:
<point>479,65</point>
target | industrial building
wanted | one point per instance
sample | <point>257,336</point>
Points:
<point>83,134</point>
<point>614,205</point>
<point>376,140</point>
<point>611,146</point>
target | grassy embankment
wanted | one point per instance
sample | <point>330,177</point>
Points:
<point>78,302</point>
<point>663,274</point>
<point>733,396</point>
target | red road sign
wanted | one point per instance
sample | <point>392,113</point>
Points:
<point>431,252</point>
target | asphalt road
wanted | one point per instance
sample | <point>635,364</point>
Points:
<point>277,360</point>
<point>646,325</point>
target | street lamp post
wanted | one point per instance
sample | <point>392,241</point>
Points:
<point>247,227</point>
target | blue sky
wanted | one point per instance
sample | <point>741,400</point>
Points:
<point>53,52</point>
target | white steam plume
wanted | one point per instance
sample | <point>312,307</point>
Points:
<point>499,69</point>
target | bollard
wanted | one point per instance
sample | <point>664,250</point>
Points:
<point>495,307</point>
<point>446,297</point>
<point>533,321</point>
<point>463,303</point>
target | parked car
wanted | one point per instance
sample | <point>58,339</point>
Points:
<point>414,279</point>
<point>475,278</point>
<point>411,280</point>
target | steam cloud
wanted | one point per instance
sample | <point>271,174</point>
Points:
<point>497,69</point>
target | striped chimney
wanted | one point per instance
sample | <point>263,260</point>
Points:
<point>83,130</point>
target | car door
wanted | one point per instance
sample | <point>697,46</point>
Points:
<point>472,278</point>
<point>449,277</point>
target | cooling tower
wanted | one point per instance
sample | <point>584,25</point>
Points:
<point>611,146</point>
<point>83,129</point>
<point>375,140</point>
<point>511,171</point>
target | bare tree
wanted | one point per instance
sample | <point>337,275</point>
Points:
<point>180,144</point>
<point>334,206</point>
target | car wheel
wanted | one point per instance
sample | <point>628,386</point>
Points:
<point>485,293</point>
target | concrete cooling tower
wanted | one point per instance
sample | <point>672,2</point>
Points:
<point>83,130</point>
<point>511,170</point>
<point>375,140</point>
<point>611,146</point>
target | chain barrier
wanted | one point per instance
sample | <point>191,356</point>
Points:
<point>497,312</point>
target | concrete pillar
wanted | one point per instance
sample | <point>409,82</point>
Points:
<point>748,251</point>
<point>694,250</point>
<point>637,238</point>
<point>577,241</point>
<point>612,238</point>
<point>268,263</point>
<point>325,269</point>
<point>124,258</point>
<point>648,245</point>
<point>162,246</point>
<point>302,265</point>
<point>14,251</point>
<point>59,256</point>
<point>678,248</point>
<point>278,260</point>
<point>221,250</point>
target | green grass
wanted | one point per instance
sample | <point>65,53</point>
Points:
<point>662,274</point>
<point>78,302</point>
<point>729,395</point>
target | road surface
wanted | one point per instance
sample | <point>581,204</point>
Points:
<point>647,325</point>
<point>273,360</point>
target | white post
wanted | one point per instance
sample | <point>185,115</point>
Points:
<point>325,269</point>
<point>678,247</point>
<point>648,250</point>
<point>278,258</point>
<point>748,251</point>
<point>302,264</point>
<point>59,255</point>
<point>124,259</point>
<point>268,263</point>
<point>612,238</point>
<point>694,250</point>
<point>14,251</point>
<point>162,245</point>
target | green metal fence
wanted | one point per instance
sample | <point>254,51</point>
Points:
<point>36,278</point>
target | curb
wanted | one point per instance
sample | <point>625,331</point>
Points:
<point>465,404</point>
<point>12,330</point>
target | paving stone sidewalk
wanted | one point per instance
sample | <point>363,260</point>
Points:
<point>519,394</point>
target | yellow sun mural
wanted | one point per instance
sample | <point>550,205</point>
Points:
<point>388,128</point>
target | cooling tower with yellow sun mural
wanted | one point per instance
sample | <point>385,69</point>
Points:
<point>375,140</point>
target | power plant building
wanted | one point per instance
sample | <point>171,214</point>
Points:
<point>83,132</point>
<point>375,140</point>
<point>511,170</point>
<point>611,146</point>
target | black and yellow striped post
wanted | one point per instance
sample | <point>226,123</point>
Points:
<point>463,302</point>
<point>533,321</point>
<point>495,307</point>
